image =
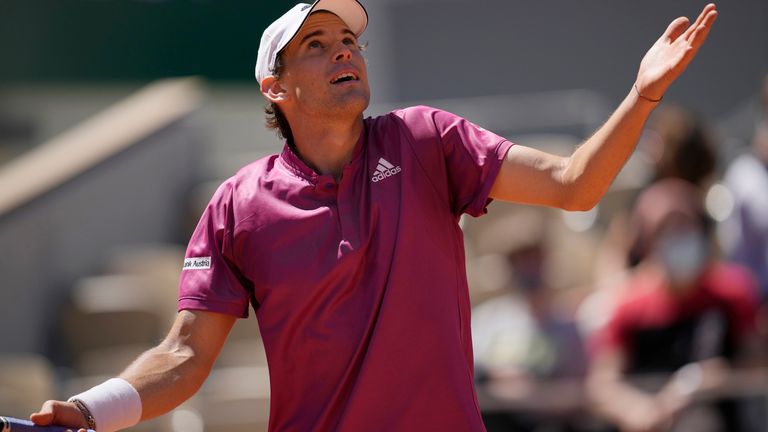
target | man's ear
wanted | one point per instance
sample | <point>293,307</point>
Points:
<point>272,90</point>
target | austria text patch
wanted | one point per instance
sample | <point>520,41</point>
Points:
<point>197,263</point>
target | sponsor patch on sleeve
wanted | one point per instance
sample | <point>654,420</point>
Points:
<point>197,263</point>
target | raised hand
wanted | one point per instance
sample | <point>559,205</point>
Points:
<point>670,55</point>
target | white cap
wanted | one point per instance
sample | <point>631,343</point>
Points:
<point>280,33</point>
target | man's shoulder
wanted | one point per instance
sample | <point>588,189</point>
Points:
<point>418,112</point>
<point>421,121</point>
<point>241,195</point>
<point>246,178</point>
<point>257,168</point>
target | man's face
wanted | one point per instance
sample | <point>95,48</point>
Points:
<point>324,71</point>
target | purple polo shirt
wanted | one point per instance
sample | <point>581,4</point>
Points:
<point>359,287</point>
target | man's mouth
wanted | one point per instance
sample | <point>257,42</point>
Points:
<point>344,77</point>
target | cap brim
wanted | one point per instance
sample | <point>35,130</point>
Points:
<point>351,12</point>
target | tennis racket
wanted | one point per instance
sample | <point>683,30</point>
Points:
<point>10,424</point>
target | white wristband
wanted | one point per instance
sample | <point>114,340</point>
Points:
<point>114,404</point>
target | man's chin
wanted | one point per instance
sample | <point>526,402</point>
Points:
<point>354,103</point>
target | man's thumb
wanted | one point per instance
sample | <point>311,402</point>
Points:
<point>45,415</point>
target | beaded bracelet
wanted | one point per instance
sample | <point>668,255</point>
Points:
<point>647,98</point>
<point>86,413</point>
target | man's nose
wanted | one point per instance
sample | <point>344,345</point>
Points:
<point>343,54</point>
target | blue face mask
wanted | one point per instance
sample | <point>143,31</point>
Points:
<point>683,254</point>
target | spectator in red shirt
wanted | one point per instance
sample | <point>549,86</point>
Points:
<point>683,315</point>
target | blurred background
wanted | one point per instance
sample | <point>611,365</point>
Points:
<point>118,118</point>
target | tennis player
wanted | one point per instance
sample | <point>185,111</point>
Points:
<point>347,245</point>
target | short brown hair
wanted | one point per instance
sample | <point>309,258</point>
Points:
<point>275,118</point>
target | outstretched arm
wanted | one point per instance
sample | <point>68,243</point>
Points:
<point>172,372</point>
<point>164,376</point>
<point>578,182</point>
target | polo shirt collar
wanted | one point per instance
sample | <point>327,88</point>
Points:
<point>297,166</point>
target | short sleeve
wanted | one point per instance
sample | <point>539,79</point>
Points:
<point>471,155</point>
<point>209,279</point>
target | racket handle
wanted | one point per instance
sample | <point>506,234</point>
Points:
<point>10,424</point>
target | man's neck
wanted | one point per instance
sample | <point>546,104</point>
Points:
<point>326,147</point>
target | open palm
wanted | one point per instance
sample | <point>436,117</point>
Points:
<point>670,55</point>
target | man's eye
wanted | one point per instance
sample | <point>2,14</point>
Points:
<point>315,44</point>
<point>349,41</point>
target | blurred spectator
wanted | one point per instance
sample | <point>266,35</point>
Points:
<point>520,337</point>
<point>744,234</point>
<point>681,314</point>
<point>680,146</point>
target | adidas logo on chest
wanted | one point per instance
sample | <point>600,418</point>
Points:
<point>383,170</point>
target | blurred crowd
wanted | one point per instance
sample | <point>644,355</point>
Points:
<point>668,329</point>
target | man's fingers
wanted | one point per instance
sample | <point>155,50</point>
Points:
<point>704,12</point>
<point>58,412</point>
<point>700,20</point>
<point>44,416</point>
<point>41,419</point>
<point>675,29</point>
<point>700,33</point>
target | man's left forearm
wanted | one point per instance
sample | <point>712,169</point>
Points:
<point>594,164</point>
